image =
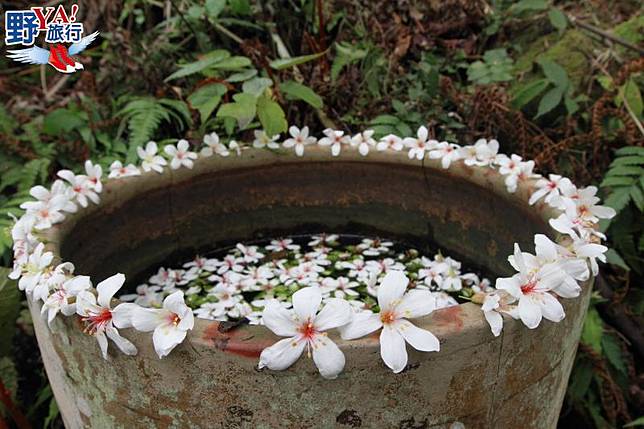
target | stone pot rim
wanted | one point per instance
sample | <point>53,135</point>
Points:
<point>464,320</point>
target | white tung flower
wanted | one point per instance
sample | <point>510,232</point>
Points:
<point>363,141</point>
<point>396,307</point>
<point>531,286</point>
<point>63,299</point>
<point>336,139</point>
<point>549,188</point>
<point>82,188</point>
<point>390,141</point>
<point>170,323</point>
<point>446,152</point>
<point>495,303</point>
<point>94,173</point>
<point>263,140</point>
<point>299,139</point>
<point>31,272</point>
<point>420,145</point>
<point>150,158</point>
<point>213,145</point>
<point>515,171</point>
<point>181,155</point>
<point>305,329</point>
<point>482,153</point>
<point>118,170</point>
<point>101,320</point>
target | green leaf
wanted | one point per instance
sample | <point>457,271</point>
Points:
<point>241,76</point>
<point>529,92</point>
<point>630,150</point>
<point>271,116</point>
<point>557,19</point>
<point>612,257</point>
<point>240,7</point>
<point>633,97</point>
<point>385,119</point>
<point>618,199</point>
<point>206,99</point>
<point>9,310</point>
<point>214,8</point>
<point>243,109</point>
<point>554,73</point>
<point>592,331</point>
<point>256,86</point>
<point>628,160</point>
<point>284,63</point>
<point>525,5</point>
<point>613,353</point>
<point>637,422</point>
<point>206,61</point>
<point>61,121</point>
<point>232,63</point>
<point>345,54</point>
<point>297,91</point>
<point>638,197</point>
<point>550,100</point>
<point>617,181</point>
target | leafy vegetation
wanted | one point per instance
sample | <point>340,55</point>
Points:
<point>537,75</point>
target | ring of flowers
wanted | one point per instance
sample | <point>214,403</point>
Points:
<point>554,271</point>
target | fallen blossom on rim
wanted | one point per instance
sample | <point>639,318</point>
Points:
<point>150,157</point>
<point>335,139</point>
<point>94,173</point>
<point>170,323</point>
<point>396,307</point>
<point>549,188</point>
<point>299,139</point>
<point>390,141</point>
<point>146,296</point>
<point>213,145</point>
<point>181,154</point>
<point>419,145</point>
<point>495,303</point>
<point>118,170</point>
<point>482,153</point>
<point>32,271</point>
<point>101,320</point>
<point>46,213</point>
<point>574,266</point>
<point>61,299</point>
<point>363,141</point>
<point>531,286</point>
<point>515,170</point>
<point>446,152</point>
<point>305,329</point>
<point>263,140</point>
<point>81,187</point>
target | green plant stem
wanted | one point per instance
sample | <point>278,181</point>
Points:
<point>604,34</point>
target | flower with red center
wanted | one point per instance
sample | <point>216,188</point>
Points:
<point>181,155</point>
<point>101,320</point>
<point>396,306</point>
<point>170,323</point>
<point>299,139</point>
<point>336,139</point>
<point>305,329</point>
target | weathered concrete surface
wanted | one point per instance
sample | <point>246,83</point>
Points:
<point>515,380</point>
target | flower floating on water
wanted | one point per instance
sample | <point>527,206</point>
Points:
<point>306,330</point>
<point>396,307</point>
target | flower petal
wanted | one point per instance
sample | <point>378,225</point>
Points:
<point>166,338</point>
<point>108,287</point>
<point>102,343</point>
<point>551,308</point>
<point>418,338</point>
<point>122,314</point>
<point>327,357</point>
<point>279,320</point>
<point>306,302</point>
<point>147,319</point>
<point>362,324</point>
<point>392,349</point>
<point>495,320</point>
<point>416,303</point>
<point>122,343</point>
<point>282,354</point>
<point>529,311</point>
<point>392,288</point>
<point>336,312</point>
